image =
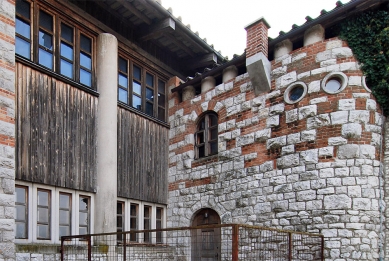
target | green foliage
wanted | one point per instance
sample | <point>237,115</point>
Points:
<point>368,36</point>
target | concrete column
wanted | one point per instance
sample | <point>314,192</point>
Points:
<point>282,48</point>
<point>106,196</point>
<point>188,93</point>
<point>314,34</point>
<point>230,73</point>
<point>207,84</point>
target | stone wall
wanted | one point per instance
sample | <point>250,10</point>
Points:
<point>7,128</point>
<point>310,166</point>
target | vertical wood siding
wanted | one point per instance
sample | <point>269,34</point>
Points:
<point>56,132</point>
<point>142,158</point>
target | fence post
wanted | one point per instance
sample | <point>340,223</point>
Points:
<point>62,250</point>
<point>290,246</point>
<point>124,247</point>
<point>235,242</point>
<point>322,248</point>
<point>89,240</point>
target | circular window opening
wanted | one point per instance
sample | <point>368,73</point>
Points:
<point>295,92</point>
<point>334,82</point>
<point>333,85</point>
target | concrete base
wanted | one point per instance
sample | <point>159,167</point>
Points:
<point>258,68</point>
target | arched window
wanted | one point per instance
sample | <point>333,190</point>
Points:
<point>206,135</point>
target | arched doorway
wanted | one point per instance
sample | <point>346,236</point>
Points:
<point>206,241</point>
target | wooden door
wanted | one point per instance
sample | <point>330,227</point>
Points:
<point>206,241</point>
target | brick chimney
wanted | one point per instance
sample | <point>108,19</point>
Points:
<point>257,40</point>
<point>257,64</point>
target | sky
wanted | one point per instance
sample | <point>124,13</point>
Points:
<point>222,22</point>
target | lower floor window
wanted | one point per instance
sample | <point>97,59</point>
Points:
<point>137,215</point>
<point>45,213</point>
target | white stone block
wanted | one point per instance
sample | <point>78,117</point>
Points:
<point>273,94</point>
<point>285,80</point>
<point>333,44</point>
<point>318,121</point>
<point>326,151</point>
<point>287,150</point>
<point>307,111</point>
<point>298,57</point>
<point>351,130</point>
<point>371,105</point>
<point>333,68</point>
<point>346,104</point>
<point>348,151</point>
<point>308,135</point>
<point>327,63</point>
<point>240,98</point>
<point>318,71</point>
<point>218,106</point>
<point>339,117</point>
<point>279,72</point>
<point>309,156</point>
<point>287,60</point>
<point>263,113</point>
<point>293,138</point>
<point>273,121</point>
<point>303,75</point>
<point>276,142</point>
<point>367,151</point>
<point>335,141</point>
<point>288,161</point>
<point>323,56</point>
<point>357,95</point>
<point>291,115</point>
<point>277,109</point>
<point>359,116</point>
<point>318,100</point>
<point>263,135</point>
<point>219,89</point>
<point>355,81</point>
<point>341,52</point>
<point>349,66</point>
<point>245,140</point>
<point>337,202</point>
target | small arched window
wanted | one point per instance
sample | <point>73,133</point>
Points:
<point>206,135</point>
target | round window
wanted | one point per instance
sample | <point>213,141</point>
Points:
<point>334,82</point>
<point>295,92</point>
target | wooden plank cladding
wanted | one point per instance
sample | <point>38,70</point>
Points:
<point>56,132</point>
<point>142,158</point>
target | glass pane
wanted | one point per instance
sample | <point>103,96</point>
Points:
<point>23,8</point>
<point>123,81</point>
<point>83,204</point>
<point>147,212</point>
<point>149,94</point>
<point>119,208</point>
<point>86,43</point>
<point>119,221</point>
<point>64,231</point>
<point>213,147</point>
<point>83,219</point>
<point>20,212</point>
<point>122,65</point>
<point>161,87</point>
<point>85,78</point>
<point>136,88</point>
<point>64,201</point>
<point>159,213</point>
<point>45,20</point>
<point>201,125</point>
<point>133,210</point>
<point>200,137</point>
<point>85,61</point>
<point>23,28</point>
<point>333,85</point>
<point>21,230</point>
<point>67,33</point>
<point>136,102</point>
<point>133,223</point>
<point>201,151</point>
<point>46,40</point>
<point>83,230</point>
<point>213,134</point>
<point>20,195</point>
<point>22,48</point>
<point>149,80</point>
<point>149,108</point>
<point>123,95</point>
<point>161,114</point>
<point>296,93</point>
<point>67,69</point>
<point>43,231</point>
<point>137,73</point>
<point>66,51</point>
<point>43,198</point>
<point>212,120</point>
<point>161,100</point>
<point>64,217</point>
<point>43,215</point>
<point>45,59</point>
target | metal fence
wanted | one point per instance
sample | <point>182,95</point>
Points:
<point>230,242</point>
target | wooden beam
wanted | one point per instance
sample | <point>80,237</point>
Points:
<point>135,11</point>
<point>165,25</point>
<point>205,60</point>
<point>180,44</point>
